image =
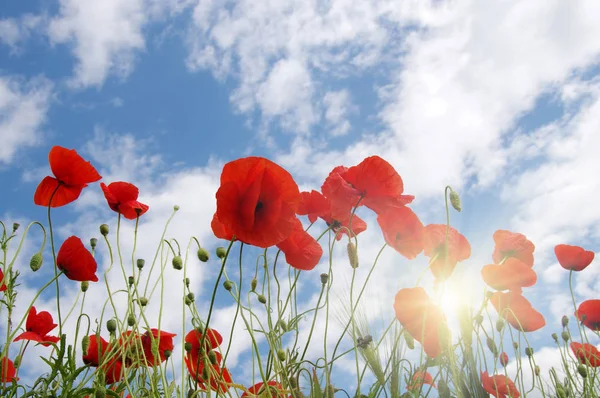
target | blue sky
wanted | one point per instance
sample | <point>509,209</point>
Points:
<point>501,101</point>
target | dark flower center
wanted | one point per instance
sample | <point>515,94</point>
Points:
<point>259,205</point>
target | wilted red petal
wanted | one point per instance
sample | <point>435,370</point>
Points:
<point>573,257</point>
<point>444,261</point>
<point>588,313</point>
<point>402,230</point>
<point>586,354</point>
<point>513,274</point>
<point>511,244</point>
<point>301,250</point>
<point>257,201</point>
<point>76,261</point>
<point>517,311</point>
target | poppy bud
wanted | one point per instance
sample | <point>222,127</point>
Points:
<point>177,262</point>
<point>104,229</point>
<point>187,282</point>
<point>191,296</point>
<point>555,337</point>
<point>536,370</point>
<point>16,226</point>
<point>565,336</point>
<point>293,382</point>
<point>36,261</point>
<point>191,393</point>
<point>131,319</point>
<point>84,286</point>
<point>221,252</point>
<point>281,355</point>
<point>100,392</point>
<point>492,346</point>
<point>17,361</point>
<point>140,263</point>
<point>479,319</point>
<point>85,344</point>
<point>410,341</point>
<point>529,351</point>
<point>202,255</point>
<point>455,200</point>
<point>187,301</point>
<point>324,278</point>
<point>188,347</point>
<point>560,391</point>
<point>283,325</point>
<point>352,254</point>
<point>93,242</point>
<point>111,325</point>
<point>205,374</point>
<point>175,208</point>
<point>131,280</point>
<point>564,321</point>
<point>262,299</point>
<point>212,357</point>
<point>499,324</point>
<point>515,345</point>
<point>504,359</point>
<point>143,301</point>
<point>227,285</point>
<point>253,284</point>
<point>167,353</point>
<point>581,369</point>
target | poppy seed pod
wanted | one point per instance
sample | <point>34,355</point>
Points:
<point>581,369</point>
<point>140,263</point>
<point>262,299</point>
<point>36,262</point>
<point>191,296</point>
<point>564,321</point>
<point>143,301</point>
<point>187,301</point>
<point>455,200</point>
<point>537,370</point>
<point>167,353</point>
<point>93,242</point>
<point>492,346</point>
<point>16,226</point>
<point>111,325</point>
<point>104,229</point>
<point>131,319</point>
<point>177,263</point>
<point>131,280</point>
<point>324,278</point>
<point>176,208</point>
<point>500,324</point>
<point>221,252</point>
<point>565,336</point>
<point>228,285</point>
<point>281,355</point>
<point>253,284</point>
<point>352,255</point>
<point>212,357</point>
<point>202,255</point>
<point>555,337</point>
<point>84,286</point>
<point>529,351</point>
<point>515,345</point>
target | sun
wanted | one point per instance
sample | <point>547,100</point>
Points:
<point>453,298</point>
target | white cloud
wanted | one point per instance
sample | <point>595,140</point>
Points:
<point>23,109</point>
<point>14,31</point>
<point>337,107</point>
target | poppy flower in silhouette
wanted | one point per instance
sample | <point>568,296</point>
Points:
<point>512,244</point>
<point>165,343</point>
<point>71,175</point>
<point>513,274</point>
<point>314,204</point>
<point>122,198</point>
<point>443,258</point>
<point>7,371</point>
<point>419,378</point>
<point>301,250</point>
<point>76,261</point>
<point>586,354</point>
<point>517,311</point>
<point>37,327</point>
<point>503,359</point>
<point>573,258</point>
<point>98,346</point>
<point>2,281</point>
<point>421,318</point>
<point>257,201</point>
<point>402,230</point>
<point>588,313</point>
<point>499,386</point>
<point>273,389</point>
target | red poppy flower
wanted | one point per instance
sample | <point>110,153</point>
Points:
<point>513,274</point>
<point>301,250</point>
<point>573,258</point>
<point>165,343</point>
<point>257,201</point>
<point>37,328</point>
<point>197,356</point>
<point>2,281</point>
<point>71,175</point>
<point>421,318</point>
<point>504,359</point>
<point>122,198</point>
<point>7,371</point>
<point>273,390</point>
<point>219,229</point>
<point>420,377</point>
<point>313,204</point>
<point>402,230</point>
<point>517,311</point>
<point>443,258</point>
<point>98,346</point>
<point>588,313</point>
<point>499,386</point>
<point>76,261</point>
<point>586,354</point>
<point>511,244</point>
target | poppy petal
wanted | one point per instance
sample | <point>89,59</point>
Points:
<point>76,261</point>
<point>70,168</point>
